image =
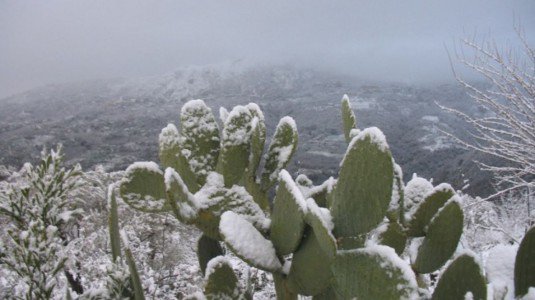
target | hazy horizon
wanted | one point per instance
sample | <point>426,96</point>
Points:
<point>62,41</point>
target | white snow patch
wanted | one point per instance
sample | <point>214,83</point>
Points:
<point>469,296</point>
<point>214,264</point>
<point>187,207</point>
<point>500,268</point>
<point>282,153</point>
<point>242,203</point>
<point>530,295</point>
<point>147,165</point>
<point>376,136</point>
<point>248,242</point>
<point>433,119</point>
<point>294,190</point>
<point>232,134</point>
<point>223,114</point>
<point>258,112</point>
<point>322,213</point>
<point>169,135</point>
<point>124,239</point>
<point>415,192</point>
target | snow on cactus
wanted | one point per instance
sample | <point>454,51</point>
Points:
<point>303,235</point>
<point>248,243</point>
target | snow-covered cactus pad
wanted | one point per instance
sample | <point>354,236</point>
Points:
<point>288,216</point>
<point>236,145</point>
<point>349,122</point>
<point>282,147</point>
<point>425,211</point>
<point>373,273</point>
<point>143,187</point>
<point>364,188</point>
<point>200,138</point>
<point>221,281</point>
<point>442,237</point>
<point>463,277</point>
<point>170,153</point>
<point>525,264</point>
<point>310,271</point>
<point>248,243</point>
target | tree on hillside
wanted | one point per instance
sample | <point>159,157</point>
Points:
<point>506,129</point>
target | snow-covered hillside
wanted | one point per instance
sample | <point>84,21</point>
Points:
<point>114,122</point>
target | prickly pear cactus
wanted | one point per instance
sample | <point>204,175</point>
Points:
<point>525,264</point>
<point>463,276</point>
<point>341,239</point>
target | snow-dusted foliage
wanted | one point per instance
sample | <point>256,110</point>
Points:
<point>38,211</point>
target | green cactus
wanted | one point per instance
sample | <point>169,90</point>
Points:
<point>441,239</point>
<point>428,208</point>
<point>116,236</point>
<point>113,225</point>
<point>288,216</point>
<point>463,275</point>
<point>349,122</point>
<point>143,187</point>
<point>134,275</point>
<point>235,145</point>
<point>207,248</point>
<point>342,238</point>
<point>248,243</point>
<point>393,236</point>
<point>200,135</point>
<point>310,271</point>
<point>170,153</point>
<point>281,149</point>
<point>364,188</point>
<point>525,264</point>
<point>221,281</point>
<point>372,273</point>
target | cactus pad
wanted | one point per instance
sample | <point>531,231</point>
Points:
<point>393,236</point>
<point>214,199</point>
<point>181,201</point>
<point>113,224</point>
<point>525,264</point>
<point>235,145</point>
<point>287,218</point>
<point>364,188</point>
<point>143,188</point>
<point>463,275</point>
<point>282,147</point>
<point>442,238</point>
<point>248,243</point>
<point>372,273</point>
<point>200,138</point>
<point>310,272</point>
<point>320,221</point>
<point>221,281</point>
<point>349,121</point>
<point>171,156</point>
<point>258,138</point>
<point>428,208</point>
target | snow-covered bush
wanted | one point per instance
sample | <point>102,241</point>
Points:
<point>320,241</point>
<point>40,213</point>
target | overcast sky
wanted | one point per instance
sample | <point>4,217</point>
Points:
<point>53,41</point>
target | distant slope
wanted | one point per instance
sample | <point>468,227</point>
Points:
<point>116,122</point>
